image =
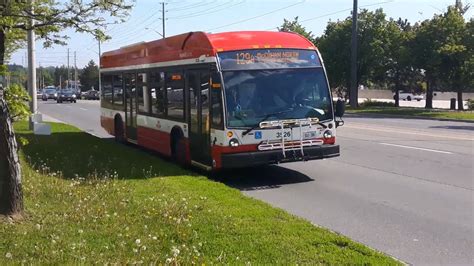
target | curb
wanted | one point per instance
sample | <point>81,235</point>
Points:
<point>361,114</point>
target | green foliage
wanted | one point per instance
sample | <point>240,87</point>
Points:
<point>470,104</point>
<point>296,27</point>
<point>377,37</point>
<point>90,76</point>
<point>52,17</point>
<point>17,100</point>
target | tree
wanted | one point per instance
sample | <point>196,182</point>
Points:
<point>296,27</point>
<point>60,75</point>
<point>90,76</point>
<point>50,17</point>
<point>454,51</point>
<point>442,48</point>
<point>399,73</point>
<point>373,49</point>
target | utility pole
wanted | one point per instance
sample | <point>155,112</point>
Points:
<point>32,67</point>
<point>354,93</point>
<point>163,17</point>
<point>67,79</point>
<point>100,82</point>
<point>75,72</point>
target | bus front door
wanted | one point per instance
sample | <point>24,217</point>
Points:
<point>130,106</point>
<point>199,135</point>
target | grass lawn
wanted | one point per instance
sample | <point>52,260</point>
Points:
<point>93,201</point>
<point>415,112</point>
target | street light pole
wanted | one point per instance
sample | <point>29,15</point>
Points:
<point>32,67</point>
<point>100,82</point>
<point>353,95</point>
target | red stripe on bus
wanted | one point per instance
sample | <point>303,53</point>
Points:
<point>155,140</point>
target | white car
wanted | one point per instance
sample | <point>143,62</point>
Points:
<point>408,96</point>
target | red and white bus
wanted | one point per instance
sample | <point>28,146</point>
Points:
<point>224,100</point>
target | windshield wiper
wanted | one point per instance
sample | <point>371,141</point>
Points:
<point>265,118</point>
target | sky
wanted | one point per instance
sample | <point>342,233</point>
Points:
<point>145,23</point>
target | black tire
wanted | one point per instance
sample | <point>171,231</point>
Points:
<point>408,98</point>
<point>118,131</point>
<point>178,152</point>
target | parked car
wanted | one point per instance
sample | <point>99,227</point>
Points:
<point>66,95</point>
<point>408,96</point>
<point>39,94</point>
<point>91,95</point>
<point>49,93</point>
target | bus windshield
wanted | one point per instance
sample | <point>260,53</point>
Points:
<point>274,94</point>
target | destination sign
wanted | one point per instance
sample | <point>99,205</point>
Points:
<point>268,59</point>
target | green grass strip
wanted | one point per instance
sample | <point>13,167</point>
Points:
<point>415,112</point>
<point>92,201</point>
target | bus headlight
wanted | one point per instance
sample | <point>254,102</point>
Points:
<point>234,143</point>
<point>327,134</point>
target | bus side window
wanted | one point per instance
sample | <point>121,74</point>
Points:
<point>142,93</point>
<point>216,102</point>
<point>175,94</point>
<point>157,94</point>
<point>118,90</point>
<point>106,90</point>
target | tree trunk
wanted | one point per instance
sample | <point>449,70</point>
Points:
<point>2,46</point>
<point>429,95</point>
<point>11,194</point>
<point>397,90</point>
<point>460,102</point>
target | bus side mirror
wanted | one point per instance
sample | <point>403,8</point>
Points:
<point>340,108</point>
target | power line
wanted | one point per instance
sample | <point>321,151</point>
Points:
<point>200,4</point>
<point>338,12</point>
<point>255,17</point>
<point>209,11</point>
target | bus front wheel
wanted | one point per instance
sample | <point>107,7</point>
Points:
<point>178,151</point>
<point>118,130</point>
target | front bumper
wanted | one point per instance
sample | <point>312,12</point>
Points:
<point>246,159</point>
<point>65,98</point>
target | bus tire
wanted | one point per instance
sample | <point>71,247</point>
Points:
<point>178,149</point>
<point>118,129</point>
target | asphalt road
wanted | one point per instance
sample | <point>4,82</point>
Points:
<point>402,186</point>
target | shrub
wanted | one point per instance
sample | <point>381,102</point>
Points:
<point>470,104</point>
<point>371,103</point>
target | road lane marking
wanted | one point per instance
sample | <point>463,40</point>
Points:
<point>414,148</point>
<point>83,109</point>
<point>402,131</point>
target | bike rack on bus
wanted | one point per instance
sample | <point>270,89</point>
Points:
<point>290,123</point>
